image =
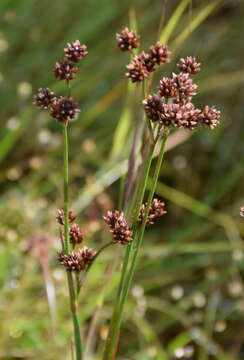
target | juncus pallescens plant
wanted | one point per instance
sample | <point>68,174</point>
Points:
<point>169,107</point>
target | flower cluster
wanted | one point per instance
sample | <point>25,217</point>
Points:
<point>121,231</point>
<point>156,209</point>
<point>180,112</point>
<point>242,211</point>
<point>77,260</point>
<point>60,216</point>
<point>127,40</point>
<point>61,108</point>
<point>144,63</point>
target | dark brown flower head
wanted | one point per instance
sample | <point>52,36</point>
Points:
<point>210,117</point>
<point>121,231</point>
<point>73,261</point>
<point>185,85</point>
<point>136,70</point>
<point>153,107</point>
<point>65,70</point>
<point>127,40</point>
<point>64,109</point>
<point>157,209</point>
<point>189,65</point>
<point>181,115</point>
<point>74,52</point>
<point>148,61</point>
<point>167,87</point>
<point>60,216</point>
<point>190,117</point>
<point>76,235</point>
<point>159,53</point>
<point>88,255</point>
<point>171,114</point>
<point>242,211</point>
<point>44,98</point>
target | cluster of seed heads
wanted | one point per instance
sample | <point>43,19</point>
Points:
<point>61,108</point>
<point>77,260</point>
<point>180,112</point>
<point>119,228</point>
<point>144,63</point>
<point>156,209</point>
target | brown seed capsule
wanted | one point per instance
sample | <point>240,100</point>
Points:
<point>136,70</point>
<point>77,260</point>
<point>76,235</point>
<point>210,117</point>
<point>60,216</point>
<point>148,61</point>
<point>189,65</point>
<point>64,109</point>
<point>88,255</point>
<point>64,70</point>
<point>167,87</point>
<point>74,52</point>
<point>242,211</point>
<point>153,107</point>
<point>127,40</point>
<point>74,261</point>
<point>156,210</point>
<point>159,53</point>
<point>121,231</point>
<point>44,98</point>
<point>185,86</point>
<point>181,115</point>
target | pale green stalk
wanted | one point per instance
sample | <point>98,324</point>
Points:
<point>133,250</point>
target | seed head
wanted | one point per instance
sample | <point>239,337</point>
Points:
<point>65,70</point>
<point>77,260</point>
<point>64,109</point>
<point>121,231</point>
<point>60,216</point>
<point>76,235</point>
<point>156,210</point>
<point>153,107</point>
<point>181,115</point>
<point>210,117</point>
<point>136,70</point>
<point>242,211</point>
<point>127,40</point>
<point>88,255</point>
<point>73,261</point>
<point>159,53</point>
<point>148,61</point>
<point>167,87</point>
<point>189,65</point>
<point>185,85</point>
<point>44,98</point>
<point>74,52</point>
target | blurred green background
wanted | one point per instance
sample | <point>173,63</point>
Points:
<point>187,300</point>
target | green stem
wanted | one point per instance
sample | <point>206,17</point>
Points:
<point>66,190</point>
<point>112,340</point>
<point>66,245</point>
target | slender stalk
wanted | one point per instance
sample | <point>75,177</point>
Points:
<point>66,190</point>
<point>66,244</point>
<point>112,340</point>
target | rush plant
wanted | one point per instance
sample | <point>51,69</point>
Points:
<point>170,107</point>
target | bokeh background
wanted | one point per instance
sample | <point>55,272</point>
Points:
<point>187,300</point>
